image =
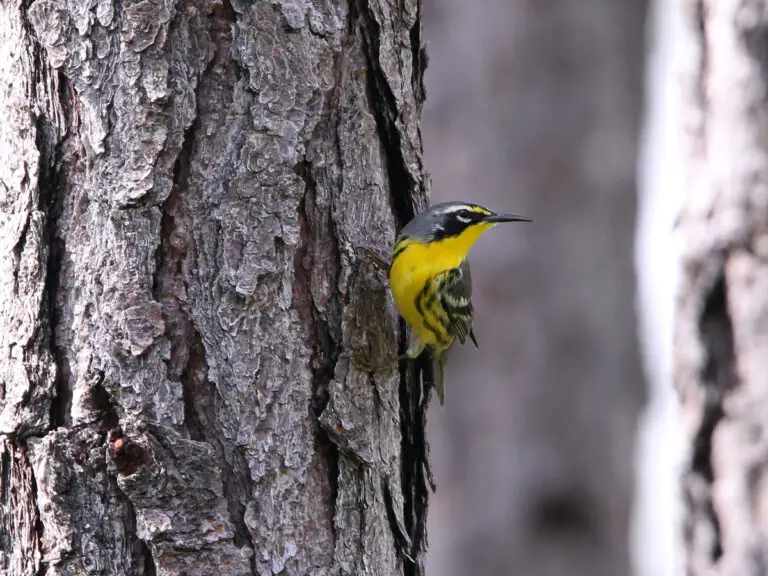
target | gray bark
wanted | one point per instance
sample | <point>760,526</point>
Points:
<point>721,345</point>
<point>183,190</point>
<point>536,444</point>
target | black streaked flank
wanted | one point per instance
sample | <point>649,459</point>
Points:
<point>421,304</point>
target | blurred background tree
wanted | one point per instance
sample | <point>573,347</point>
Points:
<point>722,310</point>
<point>535,107</point>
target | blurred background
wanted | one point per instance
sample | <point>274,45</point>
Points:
<point>557,450</point>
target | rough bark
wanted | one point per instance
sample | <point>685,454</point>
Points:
<point>721,345</point>
<point>184,189</point>
<point>537,443</point>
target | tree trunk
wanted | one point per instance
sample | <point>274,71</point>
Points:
<point>722,309</point>
<point>537,441</point>
<point>184,189</point>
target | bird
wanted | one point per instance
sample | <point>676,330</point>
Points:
<point>430,279</point>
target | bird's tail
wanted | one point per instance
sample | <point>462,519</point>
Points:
<point>439,359</point>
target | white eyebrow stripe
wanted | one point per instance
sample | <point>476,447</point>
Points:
<point>452,209</point>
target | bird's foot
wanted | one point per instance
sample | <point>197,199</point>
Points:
<point>364,362</point>
<point>381,263</point>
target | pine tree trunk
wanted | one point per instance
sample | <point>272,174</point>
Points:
<point>722,309</point>
<point>183,192</point>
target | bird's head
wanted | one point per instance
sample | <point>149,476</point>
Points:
<point>463,221</point>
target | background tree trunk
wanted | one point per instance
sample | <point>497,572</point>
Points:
<point>721,346</point>
<point>183,189</point>
<point>534,107</point>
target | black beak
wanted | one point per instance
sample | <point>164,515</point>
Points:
<point>496,218</point>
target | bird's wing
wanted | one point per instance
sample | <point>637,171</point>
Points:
<point>468,291</point>
<point>456,299</point>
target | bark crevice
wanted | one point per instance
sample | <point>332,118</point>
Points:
<point>382,101</point>
<point>24,463</point>
<point>149,561</point>
<point>416,475</point>
<point>415,378</point>
<point>186,359</point>
<point>319,316</point>
<point>718,377</point>
<point>51,187</point>
<point>419,56</point>
<point>325,351</point>
<point>20,533</point>
<point>187,362</point>
<point>141,549</point>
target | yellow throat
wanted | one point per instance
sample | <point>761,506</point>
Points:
<point>417,262</point>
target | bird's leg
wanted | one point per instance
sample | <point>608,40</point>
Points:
<point>363,361</point>
<point>413,351</point>
<point>380,262</point>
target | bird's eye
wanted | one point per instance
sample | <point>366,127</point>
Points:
<point>464,219</point>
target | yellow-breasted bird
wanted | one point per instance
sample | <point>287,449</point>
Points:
<point>430,279</point>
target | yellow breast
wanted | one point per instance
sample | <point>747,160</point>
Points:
<point>417,263</point>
